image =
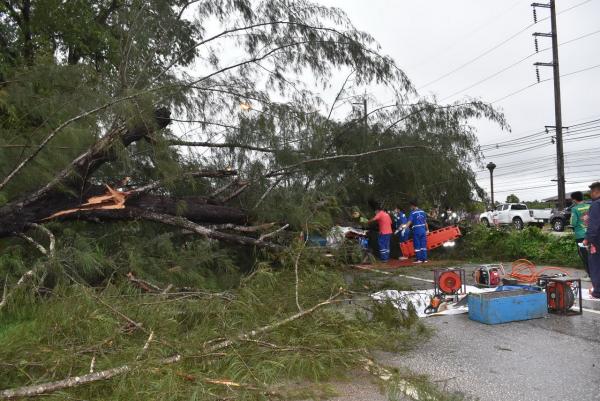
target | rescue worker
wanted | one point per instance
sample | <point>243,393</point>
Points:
<point>418,222</point>
<point>399,221</point>
<point>358,217</point>
<point>579,222</point>
<point>592,239</point>
<point>384,221</point>
<point>360,221</point>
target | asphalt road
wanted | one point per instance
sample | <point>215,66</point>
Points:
<point>555,358</point>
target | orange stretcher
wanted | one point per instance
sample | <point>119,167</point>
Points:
<point>435,239</point>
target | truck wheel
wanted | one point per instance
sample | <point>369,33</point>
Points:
<point>518,222</point>
<point>485,222</point>
<point>558,225</point>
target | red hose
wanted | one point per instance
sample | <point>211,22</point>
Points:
<point>526,272</point>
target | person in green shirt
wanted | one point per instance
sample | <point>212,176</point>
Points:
<point>579,221</point>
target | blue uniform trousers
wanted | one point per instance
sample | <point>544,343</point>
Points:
<point>420,245</point>
<point>384,246</point>
<point>594,266</point>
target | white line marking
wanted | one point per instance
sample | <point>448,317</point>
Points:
<point>415,278</point>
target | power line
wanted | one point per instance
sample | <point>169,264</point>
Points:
<point>544,80</point>
<point>485,24</point>
<point>485,53</point>
<point>539,187</point>
<point>532,171</point>
<point>517,63</point>
<point>550,158</point>
<point>537,133</point>
<point>531,141</point>
<point>533,166</point>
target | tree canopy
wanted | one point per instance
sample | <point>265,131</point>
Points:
<point>152,152</point>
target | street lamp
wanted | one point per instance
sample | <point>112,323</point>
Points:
<point>491,166</point>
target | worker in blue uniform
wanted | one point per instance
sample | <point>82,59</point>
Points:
<point>592,239</point>
<point>417,220</point>
<point>400,220</point>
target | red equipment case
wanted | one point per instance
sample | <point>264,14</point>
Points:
<point>435,239</point>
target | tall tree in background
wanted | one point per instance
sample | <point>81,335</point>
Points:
<point>176,94</point>
<point>512,198</point>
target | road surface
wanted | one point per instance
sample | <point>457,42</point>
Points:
<point>554,358</point>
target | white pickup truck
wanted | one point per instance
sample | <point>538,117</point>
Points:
<point>516,214</point>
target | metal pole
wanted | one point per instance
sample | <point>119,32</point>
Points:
<point>491,166</point>
<point>560,157</point>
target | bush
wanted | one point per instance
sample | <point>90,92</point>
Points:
<point>482,243</point>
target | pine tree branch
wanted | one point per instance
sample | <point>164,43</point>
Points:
<point>204,231</point>
<point>196,174</point>
<point>224,188</point>
<point>273,233</point>
<point>177,142</point>
<point>51,238</point>
<point>74,381</point>
<point>6,295</point>
<point>70,382</point>
<point>33,242</point>
<point>242,186</point>
<point>268,191</point>
<point>270,327</point>
<point>58,129</point>
<point>143,284</point>
<point>286,170</point>
<point>243,229</point>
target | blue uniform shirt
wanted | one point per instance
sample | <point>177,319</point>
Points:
<point>399,220</point>
<point>418,220</point>
<point>593,229</point>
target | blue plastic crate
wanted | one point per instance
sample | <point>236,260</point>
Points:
<point>508,305</point>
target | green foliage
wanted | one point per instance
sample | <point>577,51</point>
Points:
<point>403,381</point>
<point>539,205</point>
<point>57,336</point>
<point>98,254</point>
<point>512,198</point>
<point>482,243</point>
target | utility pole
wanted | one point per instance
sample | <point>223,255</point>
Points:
<point>366,121</point>
<point>491,166</point>
<point>560,156</point>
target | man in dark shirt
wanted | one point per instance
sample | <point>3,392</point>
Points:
<point>592,239</point>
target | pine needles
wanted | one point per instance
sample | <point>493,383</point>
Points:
<point>58,336</point>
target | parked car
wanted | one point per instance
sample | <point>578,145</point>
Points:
<point>542,215</point>
<point>560,219</point>
<point>516,214</point>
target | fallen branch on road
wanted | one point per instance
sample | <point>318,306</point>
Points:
<point>70,382</point>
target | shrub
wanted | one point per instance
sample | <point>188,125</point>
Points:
<point>482,243</point>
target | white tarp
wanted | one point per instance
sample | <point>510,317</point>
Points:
<point>337,235</point>
<point>420,299</point>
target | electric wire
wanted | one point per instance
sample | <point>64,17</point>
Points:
<point>517,63</point>
<point>538,187</point>
<point>490,50</point>
<point>543,80</point>
<point>567,135</point>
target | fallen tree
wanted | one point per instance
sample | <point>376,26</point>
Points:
<point>59,194</point>
<point>210,347</point>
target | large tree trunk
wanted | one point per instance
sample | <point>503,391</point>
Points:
<point>194,208</point>
<point>58,194</point>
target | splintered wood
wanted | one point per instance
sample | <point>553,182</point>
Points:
<point>112,199</point>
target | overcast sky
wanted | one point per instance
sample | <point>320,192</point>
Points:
<point>430,39</point>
